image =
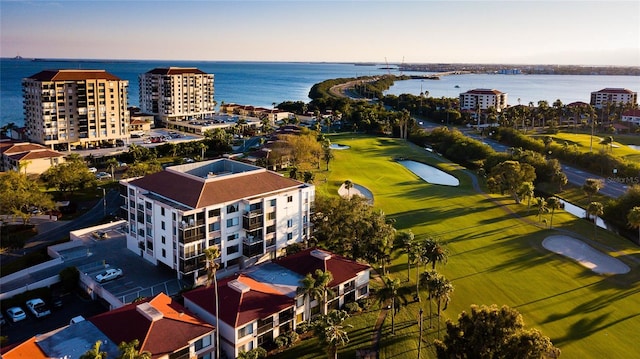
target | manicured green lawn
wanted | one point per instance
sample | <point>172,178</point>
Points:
<point>583,143</point>
<point>496,256</point>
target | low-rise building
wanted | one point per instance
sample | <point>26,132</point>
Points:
<point>483,99</point>
<point>250,213</point>
<point>263,302</point>
<point>631,116</point>
<point>26,157</point>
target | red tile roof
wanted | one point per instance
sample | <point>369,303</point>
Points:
<point>238,309</point>
<point>34,155</point>
<point>161,337</point>
<point>198,194</point>
<point>578,104</point>
<point>13,147</point>
<point>72,75</point>
<point>175,71</point>
<point>633,113</point>
<point>614,90</point>
<point>25,350</point>
<point>303,262</point>
<point>484,92</point>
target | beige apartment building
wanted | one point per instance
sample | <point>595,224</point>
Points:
<point>68,108</point>
<point>177,94</point>
<point>613,96</point>
<point>482,99</point>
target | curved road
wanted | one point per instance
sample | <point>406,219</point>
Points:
<point>576,177</point>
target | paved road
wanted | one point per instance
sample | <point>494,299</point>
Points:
<point>575,176</point>
<point>91,217</point>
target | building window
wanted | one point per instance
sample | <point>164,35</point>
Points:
<point>214,212</point>
<point>149,205</point>
<point>289,198</point>
<point>164,253</point>
<point>173,216</point>
<point>299,301</point>
<point>162,225</point>
<point>149,245</point>
<point>364,290</point>
<point>289,236</point>
<point>272,203</point>
<point>232,208</point>
<point>203,342</point>
<point>233,222</point>
<point>289,223</point>
<point>271,228</point>
<point>164,240</point>
<point>271,216</point>
<point>232,249</point>
<point>215,226</point>
<point>246,330</point>
<point>162,211</point>
<point>132,192</point>
<point>233,237</point>
<point>215,241</point>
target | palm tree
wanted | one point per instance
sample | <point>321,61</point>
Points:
<point>348,185</point>
<point>435,252</point>
<point>407,238</point>
<point>390,292</point>
<point>591,187</point>
<point>331,332</point>
<point>634,219</point>
<point>595,209</point>
<point>211,254</point>
<point>527,189</point>
<point>427,278</point>
<point>323,279</point>
<point>94,353</point>
<point>542,207</point>
<point>441,290</point>
<point>112,164</point>
<point>315,287</point>
<point>130,351</point>
<point>553,203</point>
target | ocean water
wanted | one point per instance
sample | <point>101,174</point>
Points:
<point>265,83</point>
<point>246,83</point>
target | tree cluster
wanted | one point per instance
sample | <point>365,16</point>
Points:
<point>19,195</point>
<point>353,228</point>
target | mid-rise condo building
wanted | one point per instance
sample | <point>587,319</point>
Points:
<point>250,213</point>
<point>65,108</point>
<point>177,94</point>
<point>613,96</point>
<point>483,99</point>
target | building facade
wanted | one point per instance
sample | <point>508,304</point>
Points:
<point>177,94</point>
<point>483,99</point>
<point>632,117</point>
<point>29,158</point>
<point>65,108</point>
<point>250,213</point>
<point>613,96</point>
<point>263,302</point>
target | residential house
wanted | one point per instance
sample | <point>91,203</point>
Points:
<point>26,157</point>
<point>631,116</point>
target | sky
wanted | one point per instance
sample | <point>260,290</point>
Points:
<point>513,32</point>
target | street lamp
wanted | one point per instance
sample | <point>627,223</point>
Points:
<point>104,201</point>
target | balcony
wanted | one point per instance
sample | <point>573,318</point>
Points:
<point>252,250</point>
<point>265,328</point>
<point>251,223</point>
<point>191,234</point>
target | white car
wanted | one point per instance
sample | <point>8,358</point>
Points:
<point>103,175</point>
<point>38,308</point>
<point>16,314</point>
<point>109,274</point>
<point>93,169</point>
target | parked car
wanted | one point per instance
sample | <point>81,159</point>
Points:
<point>16,314</point>
<point>38,308</point>
<point>103,175</point>
<point>93,169</point>
<point>109,274</point>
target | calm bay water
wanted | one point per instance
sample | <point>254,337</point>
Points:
<point>263,83</point>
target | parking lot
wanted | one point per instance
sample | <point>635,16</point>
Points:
<point>140,279</point>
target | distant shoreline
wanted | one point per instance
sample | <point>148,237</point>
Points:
<point>524,69</point>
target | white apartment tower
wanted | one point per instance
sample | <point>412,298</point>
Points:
<point>177,94</point>
<point>482,99</point>
<point>64,108</point>
<point>250,213</point>
<point>613,96</point>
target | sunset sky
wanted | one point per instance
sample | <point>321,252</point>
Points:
<point>518,32</point>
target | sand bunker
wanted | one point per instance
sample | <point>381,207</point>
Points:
<point>355,190</point>
<point>585,254</point>
<point>430,174</point>
<point>335,146</point>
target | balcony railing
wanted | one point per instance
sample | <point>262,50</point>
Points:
<point>265,328</point>
<point>252,223</point>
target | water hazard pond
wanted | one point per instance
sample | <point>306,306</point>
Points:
<point>430,174</point>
